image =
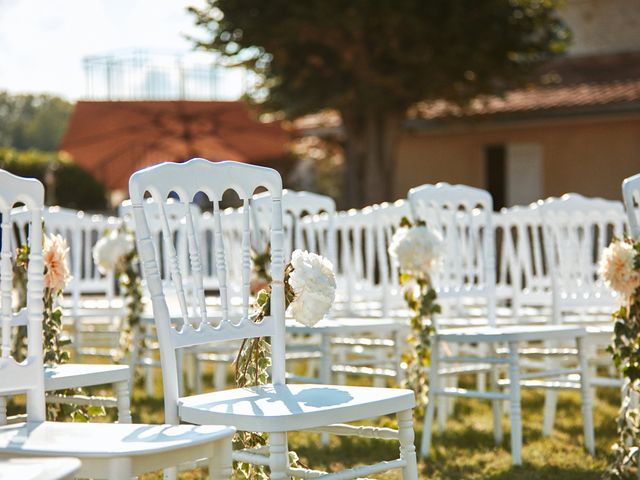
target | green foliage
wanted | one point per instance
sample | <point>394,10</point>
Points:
<point>30,121</point>
<point>625,349</point>
<point>73,186</point>
<point>421,300</point>
<point>130,282</point>
<point>54,344</point>
<point>253,360</point>
<point>382,55</point>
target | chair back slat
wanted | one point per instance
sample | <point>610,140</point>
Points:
<point>221,264</point>
<point>246,258</point>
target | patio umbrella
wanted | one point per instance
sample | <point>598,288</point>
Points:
<point>113,139</point>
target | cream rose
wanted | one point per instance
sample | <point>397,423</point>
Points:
<point>56,274</point>
<point>617,268</point>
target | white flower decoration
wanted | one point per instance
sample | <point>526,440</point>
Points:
<point>416,249</point>
<point>617,268</point>
<point>314,285</point>
<point>110,250</point>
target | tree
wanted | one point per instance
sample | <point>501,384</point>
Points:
<point>372,59</point>
<point>32,121</point>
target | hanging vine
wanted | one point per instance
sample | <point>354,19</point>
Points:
<point>620,269</point>
<point>417,251</point>
<point>115,253</point>
<point>253,360</point>
<point>56,278</point>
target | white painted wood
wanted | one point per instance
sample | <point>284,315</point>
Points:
<point>514,404</point>
<point>107,450</point>
<point>276,407</point>
<point>38,468</point>
<point>631,195</point>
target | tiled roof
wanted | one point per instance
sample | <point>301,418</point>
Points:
<point>112,140</point>
<point>570,84</point>
<point>538,99</point>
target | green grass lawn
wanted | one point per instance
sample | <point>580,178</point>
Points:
<point>466,450</point>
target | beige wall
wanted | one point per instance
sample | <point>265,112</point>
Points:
<point>590,157</point>
<point>603,26</point>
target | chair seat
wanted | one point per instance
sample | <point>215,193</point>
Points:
<point>95,440</point>
<point>75,375</point>
<point>515,333</point>
<point>38,468</point>
<point>282,408</point>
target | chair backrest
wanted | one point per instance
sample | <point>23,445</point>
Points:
<point>631,195</point>
<point>230,322</point>
<point>522,261</point>
<point>463,215</point>
<point>81,231</point>
<point>27,376</point>
<point>576,231</point>
<point>300,229</point>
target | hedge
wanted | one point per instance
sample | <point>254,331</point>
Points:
<point>74,187</point>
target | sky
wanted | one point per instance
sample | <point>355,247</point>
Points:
<point>42,42</point>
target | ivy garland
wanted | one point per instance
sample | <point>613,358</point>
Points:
<point>253,360</point>
<point>130,282</point>
<point>421,300</point>
<point>625,349</point>
<point>54,345</point>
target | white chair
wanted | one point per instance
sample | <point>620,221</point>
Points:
<point>464,217</point>
<point>276,408</point>
<point>114,451</point>
<point>576,230</point>
<point>70,375</point>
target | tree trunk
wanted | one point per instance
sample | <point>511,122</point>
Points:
<point>370,148</point>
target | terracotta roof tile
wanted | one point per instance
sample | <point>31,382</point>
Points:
<point>537,99</point>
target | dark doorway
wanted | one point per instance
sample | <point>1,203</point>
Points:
<point>495,174</point>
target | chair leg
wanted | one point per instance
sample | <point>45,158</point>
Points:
<point>398,346</point>
<point>124,401</point>
<point>550,406</point>
<point>197,373</point>
<point>481,377</point>
<point>516,414</point>
<point>407,447</point>
<point>443,403</point>
<point>431,404</point>
<point>278,455</point>
<point>221,375</point>
<point>221,462</point>
<point>119,468</point>
<point>585,387</point>
<point>496,405</point>
<point>3,410</point>
<point>170,473</point>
